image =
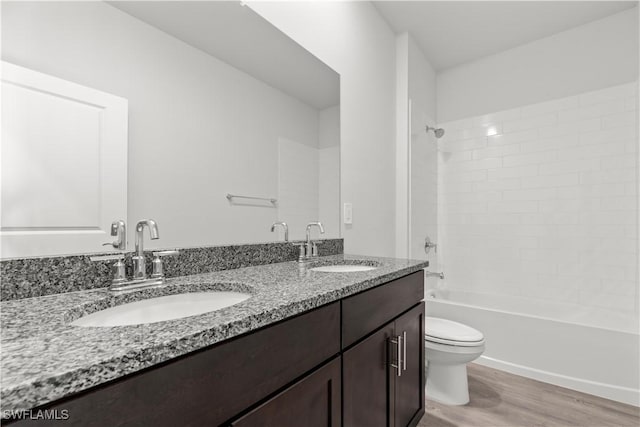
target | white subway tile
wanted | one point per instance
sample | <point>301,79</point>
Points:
<point>513,206</point>
<point>503,184</point>
<point>631,103</point>
<point>529,158</point>
<point>494,219</point>
<point>530,123</point>
<point>513,138</point>
<point>554,204</point>
<point>592,111</point>
<point>569,166</point>
<point>632,147</point>
<point>611,217</point>
<point>550,181</point>
<point>530,194</point>
<point>570,128</point>
<point>497,151</point>
<point>550,106</point>
<point>619,162</point>
<point>544,144</point>
<point>490,163</point>
<point>605,136</point>
<point>596,190</point>
<point>515,172</point>
<point>549,218</point>
<point>627,118</point>
<point>569,205</point>
<point>619,203</point>
<point>608,94</point>
<point>607,300</point>
<point>590,151</point>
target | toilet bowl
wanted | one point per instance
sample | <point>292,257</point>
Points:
<point>449,346</point>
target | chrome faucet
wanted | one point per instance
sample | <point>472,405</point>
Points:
<point>119,282</point>
<point>139,265</point>
<point>284,226</point>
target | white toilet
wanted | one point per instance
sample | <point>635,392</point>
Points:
<point>449,346</point>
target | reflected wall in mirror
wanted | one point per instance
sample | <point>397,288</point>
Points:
<point>219,101</point>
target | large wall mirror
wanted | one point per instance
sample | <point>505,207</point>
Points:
<point>216,101</point>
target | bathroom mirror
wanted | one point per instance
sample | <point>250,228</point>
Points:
<point>220,103</point>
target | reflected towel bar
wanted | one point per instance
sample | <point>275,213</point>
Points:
<point>236,196</point>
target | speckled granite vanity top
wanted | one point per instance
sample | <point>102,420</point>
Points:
<point>44,358</point>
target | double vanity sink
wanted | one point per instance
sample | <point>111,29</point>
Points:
<point>150,309</point>
<point>65,345</point>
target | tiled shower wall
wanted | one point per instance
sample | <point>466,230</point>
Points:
<point>541,201</point>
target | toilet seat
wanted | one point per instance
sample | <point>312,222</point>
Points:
<point>448,332</point>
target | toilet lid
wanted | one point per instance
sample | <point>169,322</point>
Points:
<point>449,330</point>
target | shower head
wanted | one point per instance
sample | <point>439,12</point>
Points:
<point>439,133</point>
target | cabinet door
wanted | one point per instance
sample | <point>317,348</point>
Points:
<point>409,389</point>
<point>366,381</point>
<point>312,401</point>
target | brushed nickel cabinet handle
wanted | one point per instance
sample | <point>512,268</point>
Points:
<point>404,350</point>
<point>398,343</point>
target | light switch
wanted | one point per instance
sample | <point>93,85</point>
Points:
<point>348,213</point>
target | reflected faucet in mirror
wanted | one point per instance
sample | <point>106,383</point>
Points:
<point>309,248</point>
<point>119,231</point>
<point>284,226</point>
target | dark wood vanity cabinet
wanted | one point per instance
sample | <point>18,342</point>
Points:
<point>330,366</point>
<point>383,374</point>
<point>314,401</point>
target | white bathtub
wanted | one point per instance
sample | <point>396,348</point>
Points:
<point>589,351</point>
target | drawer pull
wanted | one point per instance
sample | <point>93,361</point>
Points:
<point>398,343</point>
<point>404,350</point>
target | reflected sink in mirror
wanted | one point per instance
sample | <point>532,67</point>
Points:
<point>169,307</point>
<point>344,268</point>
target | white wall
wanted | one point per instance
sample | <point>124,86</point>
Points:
<point>545,207</point>
<point>597,55</point>
<point>329,171</point>
<point>423,154</point>
<point>354,40</point>
<point>198,128</point>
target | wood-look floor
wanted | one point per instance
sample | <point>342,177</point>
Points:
<point>500,399</point>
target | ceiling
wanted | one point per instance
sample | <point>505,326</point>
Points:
<point>240,37</point>
<point>454,32</point>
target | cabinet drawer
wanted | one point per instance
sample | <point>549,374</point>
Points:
<point>312,401</point>
<point>364,312</point>
<point>211,386</point>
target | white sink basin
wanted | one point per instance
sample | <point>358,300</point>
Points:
<point>343,268</point>
<point>168,307</point>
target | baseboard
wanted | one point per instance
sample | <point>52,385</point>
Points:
<point>620,394</point>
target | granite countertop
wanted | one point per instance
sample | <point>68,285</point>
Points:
<point>44,358</point>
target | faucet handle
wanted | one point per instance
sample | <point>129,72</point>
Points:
<point>156,264</point>
<point>118,268</point>
<point>302,250</point>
